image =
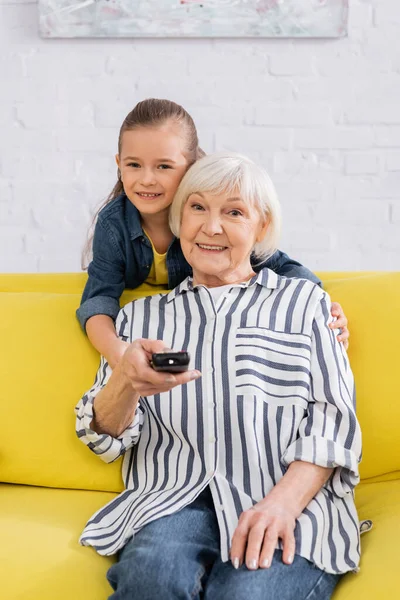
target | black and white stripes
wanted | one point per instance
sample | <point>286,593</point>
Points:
<point>276,387</point>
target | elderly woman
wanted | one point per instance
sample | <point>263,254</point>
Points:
<point>239,473</point>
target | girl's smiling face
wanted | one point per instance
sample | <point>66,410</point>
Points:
<point>152,163</point>
<point>217,235</point>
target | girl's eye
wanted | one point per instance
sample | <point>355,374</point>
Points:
<point>135,165</point>
<point>165,167</point>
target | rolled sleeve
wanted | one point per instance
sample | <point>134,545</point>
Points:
<point>329,435</point>
<point>108,448</point>
<point>98,305</point>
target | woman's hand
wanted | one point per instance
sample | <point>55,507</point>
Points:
<point>116,403</point>
<point>340,323</point>
<point>135,367</point>
<point>259,528</point>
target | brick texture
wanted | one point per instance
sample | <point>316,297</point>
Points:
<point>323,116</point>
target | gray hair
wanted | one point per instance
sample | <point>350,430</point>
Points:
<point>227,172</point>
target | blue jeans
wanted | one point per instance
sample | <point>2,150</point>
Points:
<point>178,557</point>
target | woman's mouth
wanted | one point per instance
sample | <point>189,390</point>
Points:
<point>210,248</point>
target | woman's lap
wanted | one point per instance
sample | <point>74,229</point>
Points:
<point>178,556</point>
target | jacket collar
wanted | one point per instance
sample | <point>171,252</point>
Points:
<point>133,220</point>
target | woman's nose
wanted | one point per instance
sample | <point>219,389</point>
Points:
<point>212,225</point>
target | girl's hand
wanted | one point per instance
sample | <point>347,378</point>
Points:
<point>340,323</point>
<point>256,536</point>
<point>135,367</point>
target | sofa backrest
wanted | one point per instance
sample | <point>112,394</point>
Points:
<point>46,363</point>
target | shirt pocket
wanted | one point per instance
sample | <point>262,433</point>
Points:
<point>273,365</point>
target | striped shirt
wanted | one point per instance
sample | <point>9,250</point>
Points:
<point>276,387</point>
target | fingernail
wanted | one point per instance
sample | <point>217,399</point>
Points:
<point>265,563</point>
<point>170,379</point>
<point>253,564</point>
<point>235,562</point>
<point>195,375</point>
<point>290,559</point>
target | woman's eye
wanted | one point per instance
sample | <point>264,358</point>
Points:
<point>235,213</point>
<point>197,207</point>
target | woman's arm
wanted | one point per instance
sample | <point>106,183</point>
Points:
<point>274,517</point>
<point>109,416</point>
<point>328,444</point>
<point>133,377</point>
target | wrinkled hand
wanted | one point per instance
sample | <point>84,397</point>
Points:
<point>340,323</point>
<point>135,367</point>
<point>256,536</point>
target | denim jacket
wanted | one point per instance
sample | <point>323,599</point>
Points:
<point>122,258</point>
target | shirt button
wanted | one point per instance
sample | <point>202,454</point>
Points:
<point>212,440</point>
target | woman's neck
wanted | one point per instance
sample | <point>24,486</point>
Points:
<point>157,228</point>
<point>234,278</point>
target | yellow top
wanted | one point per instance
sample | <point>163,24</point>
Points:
<point>158,273</point>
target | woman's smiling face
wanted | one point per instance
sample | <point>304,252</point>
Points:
<point>218,234</point>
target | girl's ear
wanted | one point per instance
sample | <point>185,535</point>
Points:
<point>117,160</point>
<point>263,231</point>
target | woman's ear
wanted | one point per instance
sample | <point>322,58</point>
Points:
<point>263,231</point>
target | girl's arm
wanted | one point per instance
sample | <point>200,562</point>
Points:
<point>101,332</point>
<point>106,277</point>
<point>100,299</point>
<point>283,265</point>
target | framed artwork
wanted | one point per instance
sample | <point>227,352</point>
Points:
<point>193,18</point>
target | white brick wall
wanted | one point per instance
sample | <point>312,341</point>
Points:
<point>322,115</point>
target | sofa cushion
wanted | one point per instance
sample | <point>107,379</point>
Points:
<point>39,550</point>
<point>372,305</point>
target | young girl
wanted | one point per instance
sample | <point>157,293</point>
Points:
<point>132,241</point>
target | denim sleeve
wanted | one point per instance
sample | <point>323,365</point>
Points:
<point>283,265</point>
<point>106,278</point>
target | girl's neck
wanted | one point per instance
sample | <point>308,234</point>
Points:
<point>157,227</point>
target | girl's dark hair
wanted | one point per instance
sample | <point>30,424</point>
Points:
<point>151,112</point>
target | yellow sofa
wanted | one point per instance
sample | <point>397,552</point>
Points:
<point>51,483</point>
